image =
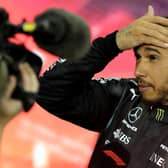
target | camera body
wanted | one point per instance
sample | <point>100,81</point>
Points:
<point>55,30</point>
<point>13,54</point>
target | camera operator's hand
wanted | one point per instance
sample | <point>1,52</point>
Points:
<point>9,107</point>
<point>3,75</point>
<point>148,29</point>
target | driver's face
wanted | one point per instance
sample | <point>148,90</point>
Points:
<point>152,73</point>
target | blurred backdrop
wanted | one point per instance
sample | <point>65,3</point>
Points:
<point>39,140</point>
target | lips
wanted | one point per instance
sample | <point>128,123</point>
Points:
<point>143,85</point>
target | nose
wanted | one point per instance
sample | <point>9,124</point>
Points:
<point>141,70</point>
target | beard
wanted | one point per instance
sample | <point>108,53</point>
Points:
<point>158,97</point>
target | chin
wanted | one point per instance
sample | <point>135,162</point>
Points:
<point>151,99</point>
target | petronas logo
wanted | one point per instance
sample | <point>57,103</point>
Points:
<point>160,114</point>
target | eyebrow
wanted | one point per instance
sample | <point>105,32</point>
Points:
<point>152,49</point>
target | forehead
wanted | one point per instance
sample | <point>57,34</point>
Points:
<point>145,49</point>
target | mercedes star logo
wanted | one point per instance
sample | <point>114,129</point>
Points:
<point>134,114</point>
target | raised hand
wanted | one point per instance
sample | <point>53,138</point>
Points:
<point>9,107</point>
<point>148,29</point>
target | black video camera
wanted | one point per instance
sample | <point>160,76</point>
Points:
<point>57,31</point>
<point>13,54</point>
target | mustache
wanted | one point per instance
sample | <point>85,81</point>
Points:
<point>144,83</point>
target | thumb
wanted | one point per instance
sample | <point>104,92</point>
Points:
<point>150,11</point>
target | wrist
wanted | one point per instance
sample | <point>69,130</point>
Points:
<point>119,40</point>
<point>111,43</point>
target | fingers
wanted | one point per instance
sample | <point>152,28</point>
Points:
<point>10,87</point>
<point>150,16</point>
<point>153,41</point>
<point>163,21</point>
<point>157,28</point>
<point>147,27</point>
<point>155,34</point>
<point>150,11</point>
<point>29,79</point>
<point>9,106</point>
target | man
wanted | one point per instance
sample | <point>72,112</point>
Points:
<point>9,106</point>
<point>130,114</point>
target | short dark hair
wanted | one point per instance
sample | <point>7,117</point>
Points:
<point>135,51</point>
